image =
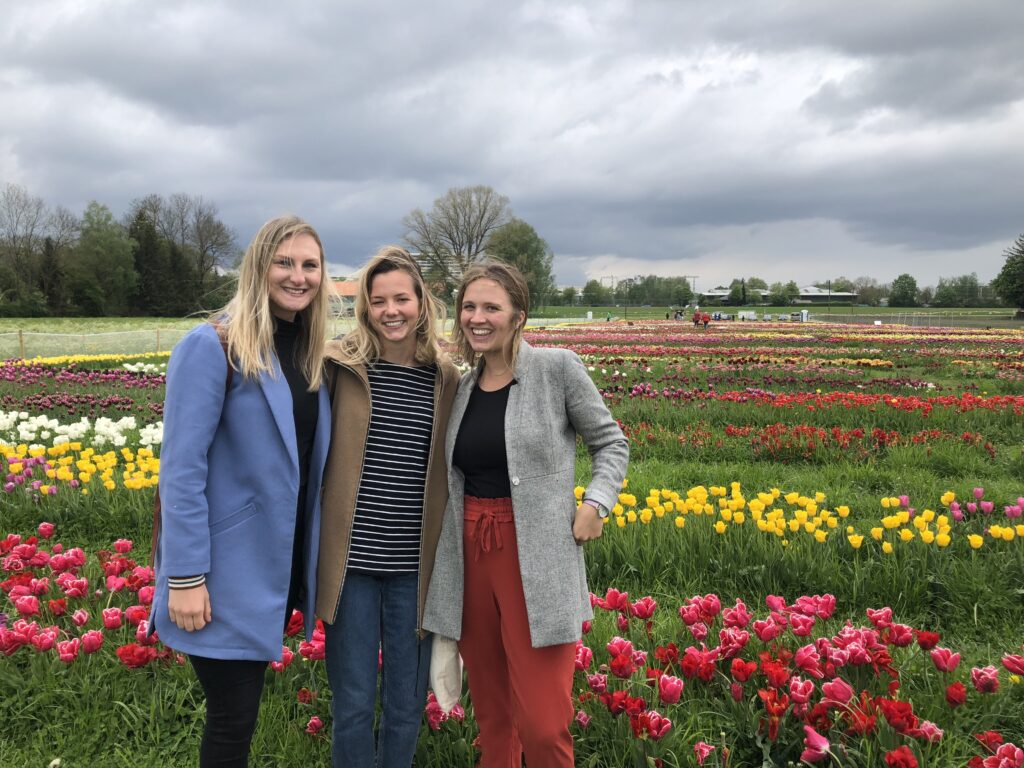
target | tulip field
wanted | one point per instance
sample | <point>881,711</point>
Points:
<point>817,558</point>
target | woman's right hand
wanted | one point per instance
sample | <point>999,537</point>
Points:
<point>190,608</point>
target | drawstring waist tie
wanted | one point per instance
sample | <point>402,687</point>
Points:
<point>482,518</point>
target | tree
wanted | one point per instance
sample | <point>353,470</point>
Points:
<point>518,244</point>
<point>903,292</point>
<point>22,222</point>
<point>151,257</point>
<point>569,296</point>
<point>945,295</point>
<point>190,222</point>
<point>52,277</point>
<point>455,232</point>
<point>102,273</point>
<point>596,295</point>
<point>868,290</point>
<point>1009,283</point>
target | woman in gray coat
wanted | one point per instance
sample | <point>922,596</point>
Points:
<point>509,581</point>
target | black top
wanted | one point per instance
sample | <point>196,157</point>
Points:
<point>305,409</point>
<point>388,520</point>
<point>480,445</point>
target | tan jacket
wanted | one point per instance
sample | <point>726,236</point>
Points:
<point>350,423</point>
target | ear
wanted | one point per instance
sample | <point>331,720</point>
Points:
<point>522,319</point>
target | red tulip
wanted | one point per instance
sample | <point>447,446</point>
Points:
<point>134,655</point>
<point>838,692</point>
<point>956,694</point>
<point>901,757</point>
<point>927,640</point>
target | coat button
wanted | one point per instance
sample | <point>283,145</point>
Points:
<point>515,481</point>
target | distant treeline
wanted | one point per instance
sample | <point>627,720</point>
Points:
<point>162,259</point>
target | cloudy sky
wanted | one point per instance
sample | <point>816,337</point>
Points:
<point>721,138</point>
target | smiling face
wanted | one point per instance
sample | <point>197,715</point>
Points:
<point>394,309</point>
<point>488,318</point>
<point>294,276</point>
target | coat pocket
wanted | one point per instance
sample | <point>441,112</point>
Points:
<point>233,520</point>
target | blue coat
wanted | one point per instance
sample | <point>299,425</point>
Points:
<point>229,483</point>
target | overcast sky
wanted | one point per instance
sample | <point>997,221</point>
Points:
<point>787,140</point>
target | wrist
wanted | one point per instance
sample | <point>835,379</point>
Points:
<point>602,510</point>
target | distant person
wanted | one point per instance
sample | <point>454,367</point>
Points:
<point>696,319</point>
<point>705,318</point>
<point>240,470</point>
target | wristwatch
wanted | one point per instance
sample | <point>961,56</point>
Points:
<point>602,510</point>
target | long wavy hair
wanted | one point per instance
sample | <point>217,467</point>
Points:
<point>512,280</point>
<point>361,345</point>
<point>246,321</point>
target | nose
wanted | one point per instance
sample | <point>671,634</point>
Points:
<point>296,275</point>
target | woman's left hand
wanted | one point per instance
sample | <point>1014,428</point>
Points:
<point>587,524</point>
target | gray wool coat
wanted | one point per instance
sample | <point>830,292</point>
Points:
<point>552,401</point>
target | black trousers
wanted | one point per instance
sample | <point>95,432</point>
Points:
<point>233,689</point>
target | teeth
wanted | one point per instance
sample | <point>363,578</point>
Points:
<point>393,323</point>
<point>480,331</point>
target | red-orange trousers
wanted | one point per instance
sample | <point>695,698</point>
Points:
<point>522,696</point>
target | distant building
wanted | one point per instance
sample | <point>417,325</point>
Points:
<point>809,294</point>
<point>344,299</point>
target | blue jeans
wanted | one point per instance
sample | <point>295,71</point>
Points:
<point>377,613</point>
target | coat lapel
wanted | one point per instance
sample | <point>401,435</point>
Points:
<point>279,398</point>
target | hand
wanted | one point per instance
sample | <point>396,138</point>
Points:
<point>190,608</point>
<point>587,524</point>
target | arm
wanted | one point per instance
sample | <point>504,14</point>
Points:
<point>193,404</point>
<point>608,447</point>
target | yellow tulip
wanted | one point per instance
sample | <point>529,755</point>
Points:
<point>876,534</point>
<point>820,536</point>
<point>942,540</point>
<point>906,535</point>
<point>927,536</point>
<point>975,541</point>
<point>855,540</point>
<point>887,547</point>
<point>680,522</point>
<point>620,521</point>
<point>720,527</point>
<point>843,511</point>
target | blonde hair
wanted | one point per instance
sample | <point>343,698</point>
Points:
<point>361,346</point>
<point>247,323</point>
<point>514,284</point>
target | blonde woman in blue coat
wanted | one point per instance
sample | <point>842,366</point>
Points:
<point>240,475</point>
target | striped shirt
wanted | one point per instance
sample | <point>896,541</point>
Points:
<point>389,506</point>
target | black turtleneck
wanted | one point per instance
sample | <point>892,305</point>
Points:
<point>305,408</point>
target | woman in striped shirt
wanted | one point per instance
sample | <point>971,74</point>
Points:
<point>385,490</point>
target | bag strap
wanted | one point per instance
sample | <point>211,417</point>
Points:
<point>156,497</point>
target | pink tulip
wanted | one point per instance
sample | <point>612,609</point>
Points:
<point>767,631</point>
<point>643,608</point>
<point>67,650</point>
<point>124,546</point>
<point>736,691</point>
<point>1014,664</point>
<point>146,595</point>
<point>27,605</point>
<point>45,639</point>
<point>985,679</point>
<point>944,659</point>
<point>582,719</point>
<point>802,626</point>
<point>670,689</point>
<point>46,530</point>
<point>699,630</point>
<point>111,618</point>
<point>703,751</point>
<point>618,646</point>
<point>808,660</point>
<point>800,690</point>
<point>776,603</point>
<point>584,656</point>
<point>881,617</point>
<point>987,507</point>
<point>837,692</point>
<point>815,746</point>
<point>598,683</point>
<point>314,726</point>
<point>929,731</point>
<point>286,659</point>
<point>658,725</point>
<point>92,641</point>
<point>978,493</point>
<point>80,617</point>
<point>738,616</point>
